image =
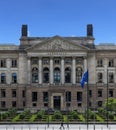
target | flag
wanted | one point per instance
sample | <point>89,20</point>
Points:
<point>84,78</point>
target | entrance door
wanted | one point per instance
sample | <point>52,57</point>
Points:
<point>57,102</point>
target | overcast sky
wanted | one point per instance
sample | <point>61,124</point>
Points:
<point>58,17</point>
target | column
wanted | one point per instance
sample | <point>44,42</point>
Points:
<point>51,70</point>
<point>40,70</point>
<point>85,63</point>
<point>62,70</point>
<point>8,65</point>
<point>29,70</point>
<point>73,71</point>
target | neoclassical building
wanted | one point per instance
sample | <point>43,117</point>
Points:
<point>45,72</point>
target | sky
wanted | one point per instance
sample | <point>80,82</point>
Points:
<point>47,18</point>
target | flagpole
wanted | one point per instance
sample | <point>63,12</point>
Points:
<point>107,98</point>
<point>87,104</point>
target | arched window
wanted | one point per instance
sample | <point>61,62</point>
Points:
<point>35,75</point>
<point>3,78</point>
<point>100,77</point>
<point>14,78</point>
<point>78,74</point>
<point>56,75</point>
<point>68,75</point>
<point>45,75</point>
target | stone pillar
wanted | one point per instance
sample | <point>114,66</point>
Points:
<point>85,63</point>
<point>40,71</point>
<point>105,70</point>
<point>73,70</point>
<point>8,65</point>
<point>51,70</point>
<point>29,70</point>
<point>62,70</point>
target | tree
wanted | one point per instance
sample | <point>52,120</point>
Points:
<point>111,104</point>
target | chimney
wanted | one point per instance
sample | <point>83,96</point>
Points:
<point>24,31</point>
<point>89,30</point>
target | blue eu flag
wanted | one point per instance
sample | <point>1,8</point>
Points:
<point>84,78</point>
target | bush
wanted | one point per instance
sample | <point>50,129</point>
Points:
<point>74,114</point>
<point>16,118</point>
<point>57,115</point>
<point>33,118</point>
<point>40,114</point>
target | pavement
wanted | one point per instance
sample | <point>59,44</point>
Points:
<point>57,127</point>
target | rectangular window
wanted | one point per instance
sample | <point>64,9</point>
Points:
<point>3,63</point>
<point>111,93</point>
<point>23,103</point>
<point>14,63</point>
<point>3,104</point>
<point>34,104</point>
<point>99,93</point>
<point>34,96</point>
<point>23,93</point>
<point>3,93</point>
<point>68,60</point>
<point>46,61</point>
<point>14,93</point>
<point>45,96</point>
<point>99,103</point>
<point>90,93</point>
<point>111,63</point>
<point>68,96</point>
<point>79,96</point>
<point>99,63</point>
<point>14,104</point>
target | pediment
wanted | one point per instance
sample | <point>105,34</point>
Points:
<point>56,44</point>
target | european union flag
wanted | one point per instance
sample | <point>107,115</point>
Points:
<point>84,78</point>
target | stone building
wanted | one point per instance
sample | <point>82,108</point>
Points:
<point>45,72</point>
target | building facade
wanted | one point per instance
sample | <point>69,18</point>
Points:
<point>45,72</point>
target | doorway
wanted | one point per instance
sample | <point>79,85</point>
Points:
<point>57,102</point>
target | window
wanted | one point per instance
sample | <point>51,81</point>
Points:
<point>45,61</point>
<point>68,75</point>
<point>14,78</point>
<point>99,103</point>
<point>79,104</point>
<point>78,74</point>
<point>56,75</point>
<point>57,61</point>
<point>45,96</point>
<point>23,103</point>
<point>14,94</point>
<point>3,63</point>
<point>3,93</point>
<point>46,75</point>
<point>99,93</point>
<point>3,78</point>
<point>110,93</point>
<point>79,61</point>
<point>14,104</point>
<point>111,63</point>
<point>111,78</point>
<point>68,96</point>
<point>79,96</point>
<point>34,104</point>
<point>34,96</point>
<point>23,93</point>
<point>68,60</point>
<point>14,63</point>
<point>99,63</point>
<point>35,75</point>
<point>100,77</point>
<point>34,61</point>
<point>3,104</point>
<point>90,93</point>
